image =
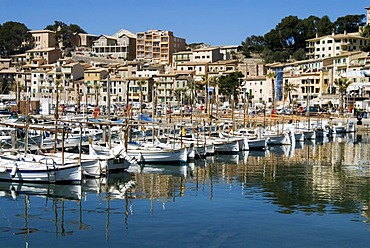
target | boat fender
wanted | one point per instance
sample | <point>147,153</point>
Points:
<point>14,170</point>
<point>2,169</point>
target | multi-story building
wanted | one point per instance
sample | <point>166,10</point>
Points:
<point>165,87</point>
<point>334,45</point>
<point>43,39</point>
<point>255,86</point>
<point>200,69</point>
<point>207,55</point>
<point>93,84</point>
<point>158,46</point>
<point>181,57</point>
<point>121,45</point>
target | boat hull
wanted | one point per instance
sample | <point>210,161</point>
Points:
<point>159,156</point>
<point>22,171</point>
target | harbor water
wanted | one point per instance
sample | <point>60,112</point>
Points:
<point>312,194</point>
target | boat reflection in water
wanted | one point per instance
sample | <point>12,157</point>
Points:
<point>53,191</point>
<point>160,183</point>
<point>325,183</point>
<point>61,209</point>
<point>54,198</point>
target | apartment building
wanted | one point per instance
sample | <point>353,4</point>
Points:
<point>198,69</point>
<point>334,45</point>
<point>93,86</point>
<point>121,45</point>
<point>181,57</point>
<point>158,46</point>
<point>165,88</point>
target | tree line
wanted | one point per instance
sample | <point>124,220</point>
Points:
<point>287,41</point>
<point>16,39</point>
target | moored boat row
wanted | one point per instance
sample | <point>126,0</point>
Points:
<point>163,144</point>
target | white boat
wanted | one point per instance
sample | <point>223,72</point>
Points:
<point>252,138</point>
<point>91,165</point>
<point>277,139</point>
<point>157,155</point>
<point>226,146</point>
<point>121,160</point>
<point>200,147</point>
<point>75,135</point>
<point>242,142</point>
<point>45,170</point>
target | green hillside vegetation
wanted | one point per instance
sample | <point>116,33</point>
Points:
<point>287,41</point>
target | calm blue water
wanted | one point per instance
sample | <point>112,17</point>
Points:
<point>315,195</point>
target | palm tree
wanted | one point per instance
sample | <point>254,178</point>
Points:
<point>271,75</point>
<point>342,84</point>
<point>288,89</point>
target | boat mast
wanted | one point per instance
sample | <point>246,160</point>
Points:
<point>108,111</point>
<point>27,121</point>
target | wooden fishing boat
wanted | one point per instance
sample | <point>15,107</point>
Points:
<point>43,171</point>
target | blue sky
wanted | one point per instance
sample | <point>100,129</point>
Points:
<point>215,22</point>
